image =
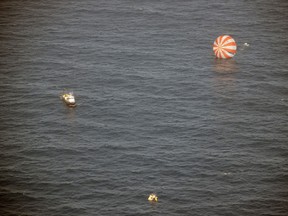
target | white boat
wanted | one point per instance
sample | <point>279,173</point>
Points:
<point>69,99</point>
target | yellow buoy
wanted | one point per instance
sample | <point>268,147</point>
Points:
<point>153,198</point>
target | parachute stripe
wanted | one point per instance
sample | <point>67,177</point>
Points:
<point>231,43</point>
<point>227,54</point>
<point>229,49</point>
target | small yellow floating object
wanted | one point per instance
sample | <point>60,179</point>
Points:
<point>69,99</point>
<point>153,198</point>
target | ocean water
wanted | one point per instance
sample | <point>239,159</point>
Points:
<point>156,112</point>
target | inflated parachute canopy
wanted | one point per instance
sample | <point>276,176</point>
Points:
<point>224,47</point>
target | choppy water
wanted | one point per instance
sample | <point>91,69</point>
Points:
<point>156,112</point>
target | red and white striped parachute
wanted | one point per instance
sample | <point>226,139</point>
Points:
<point>224,47</point>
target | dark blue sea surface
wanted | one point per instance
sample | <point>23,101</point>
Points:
<point>156,112</point>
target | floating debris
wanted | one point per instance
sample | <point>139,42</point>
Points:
<point>68,98</point>
<point>153,198</point>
